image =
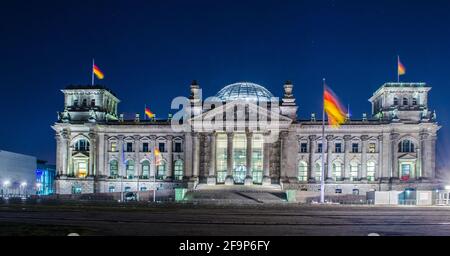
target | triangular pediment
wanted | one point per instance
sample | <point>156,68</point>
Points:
<point>257,116</point>
<point>408,156</point>
<point>81,155</point>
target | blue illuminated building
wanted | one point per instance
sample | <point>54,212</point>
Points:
<point>45,176</point>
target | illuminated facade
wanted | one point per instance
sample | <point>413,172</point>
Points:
<point>98,151</point>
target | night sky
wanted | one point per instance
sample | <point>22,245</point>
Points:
<point>151,51</point>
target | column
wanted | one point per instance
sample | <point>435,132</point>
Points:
<point>248,178</point>
<point>169,175</point>
<point>211,180</point>
<point>137,148</point>
<point>266,160</point>
<point>152,157</point>
<point>105,169</point>
<point>394,155</point>
<point>92,153</point>
<point>329,170</point>
<point>59,151</point>
<point>196,157</point>
<point>312,150</point>
<point>347,146</point>
<point>65,156</point>
<point>100,155</point>
<point>379,169</point>
<point>364,139</point>
<point>187,152</point>
<point>121,164</point>
<point>229,179</point>
<point>283,167</point>
<point>432,156</point>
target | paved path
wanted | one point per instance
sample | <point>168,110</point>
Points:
<point>231,221</point>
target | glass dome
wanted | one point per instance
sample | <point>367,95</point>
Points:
<point>244,91</point>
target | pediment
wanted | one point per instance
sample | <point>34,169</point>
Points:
<point>257,116</point>
<point>81,155</point>
<point>408,156</point>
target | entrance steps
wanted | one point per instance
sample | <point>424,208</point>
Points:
<point>221,194</point>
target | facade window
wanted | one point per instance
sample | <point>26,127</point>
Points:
<point>405,101</point>
<point>406,146</point>
<point>82,169</point>
<point>82,145</point>
<point>303,148</point>
<point>130,169</point>
<point>113,169</point>
<point>338,148</point>
<point>319,148</point>
<point>370,171</point>
<point>414,101</point>
<point>372,147</point>
<point>221,157</point>
<point>145,169</point>
<point>178,170</point>
<point>337,171</point>
<point>111,189</point>
<point>354,170</point>
<point>178,147</point>
<point>405,171</point>
<point>302,171</point>
<point>161,171</point>
<point>257,158</point>
<point>145,147</point>
<point>318,172</point>
<point>113,146</point>
<point>127,189</point>
<point>84,103</point>
<point>75,102</point>
<point>162,147</point>
<point>93,103</point>
<point>395,101</point>
<point>143,189</point>
<point>355,148</point>
<point>76,190</point>
<point>129,147</point>
<point>239,158</point>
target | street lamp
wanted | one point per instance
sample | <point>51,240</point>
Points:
<point>23,185</point>
<point>5,186</point>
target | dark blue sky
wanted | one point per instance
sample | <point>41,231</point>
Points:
<point>150,52</point>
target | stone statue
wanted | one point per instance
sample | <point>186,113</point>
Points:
<point>433,116</point>
<point>64,116</point>
<point>92,116</point>
<point>288,87</point>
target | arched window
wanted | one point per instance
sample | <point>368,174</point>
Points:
<point>354,170</point>
<point>414,101</point>
<point>395,101</point>
<point>75,102</point>
<point>130,169</point>
<point>84,102</point>
<point>113,169</point>
<point>178,170</point>
<point>405,101</point>
<point>337,171</point>
<point>81,145</point>
<point>371,171</point>
<point>93,103</point>
<point>145,169</point>
<point>318,172</point>
<point>302,171</point>
<point>406,146</point>
<point>161,171</point>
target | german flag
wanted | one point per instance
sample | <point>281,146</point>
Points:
<point>335,112</point>
<point>98,73</point>
<point>157,156</point>
<point>401,68</point>
<point>149,113</point>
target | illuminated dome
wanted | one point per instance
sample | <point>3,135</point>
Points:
<point>244,91</point>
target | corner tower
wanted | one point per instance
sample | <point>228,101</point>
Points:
<point>88,103</point>
<point>402,102</point>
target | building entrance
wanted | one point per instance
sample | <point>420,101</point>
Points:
<point>239,174</point>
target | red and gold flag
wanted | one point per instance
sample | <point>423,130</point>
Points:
<point>335,112</point>
<point>149,113</point>
<point>98,73</point>
<point>401,68</point>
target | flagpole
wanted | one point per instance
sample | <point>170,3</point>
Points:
<point>145,108</point>
<point>322,178</point>
<point>398,64</point>
<point>93,64</point>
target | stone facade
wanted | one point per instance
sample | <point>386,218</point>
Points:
<point>98,151</point>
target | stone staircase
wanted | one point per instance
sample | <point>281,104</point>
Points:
<point>236,195</point>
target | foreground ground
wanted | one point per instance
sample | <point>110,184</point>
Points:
<point>220,220</point>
